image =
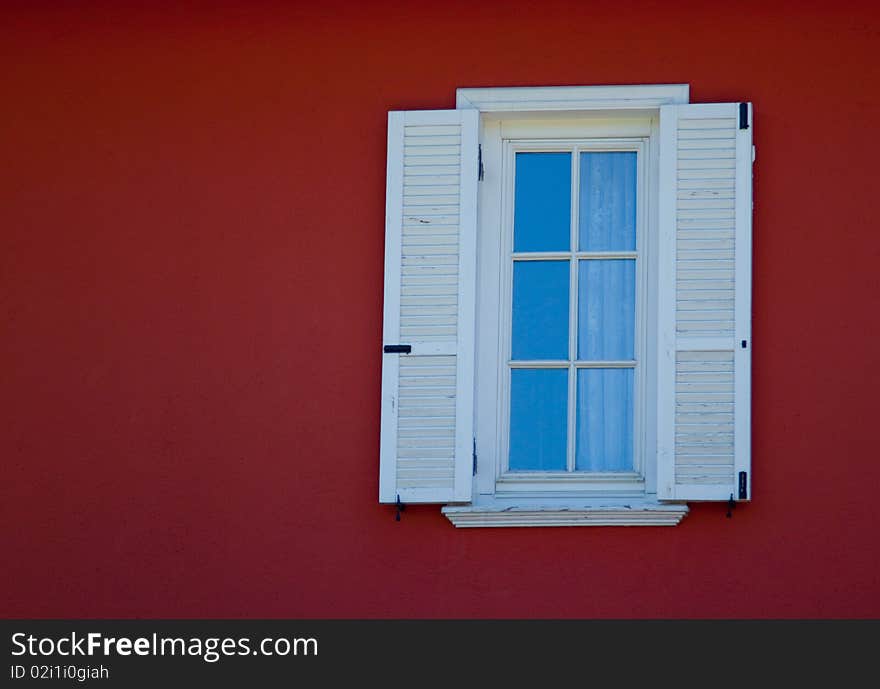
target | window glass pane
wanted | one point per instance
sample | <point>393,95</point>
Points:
<point>542,202</point>
<point>606,309</point>
<point>607,215</point>
<point>538,419</point>
<point>604,433</point>
<point>540,310</point>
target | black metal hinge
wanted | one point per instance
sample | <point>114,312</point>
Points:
<point>475,457</point>
<point>480,162</point>
<point>397,349</point>
<point>743,115</point>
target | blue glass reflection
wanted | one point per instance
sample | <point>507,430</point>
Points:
<point>542,202</point>
<point>540,310</point>
<point>538,419</point>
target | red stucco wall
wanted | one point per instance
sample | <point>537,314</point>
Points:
<point>191,248</point>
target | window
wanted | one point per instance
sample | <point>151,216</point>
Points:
<point>573,328</point>
<point>567,306</point>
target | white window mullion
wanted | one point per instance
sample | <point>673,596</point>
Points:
<point>572,315</point>
<point>541,256</point>
<point>549,363</point>
<point>597,255</point>
<point>560,255</point>
<point>605,364</point>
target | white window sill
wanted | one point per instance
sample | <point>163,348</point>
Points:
<point>635,514</point>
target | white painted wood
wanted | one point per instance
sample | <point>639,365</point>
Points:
<point>430,254</point>
<point>571,98</point>
<point>504,241</point>
<point>562,363</point>
<point>488,396</point>
<point>576,515</point>
<point>743,361</point>
<point>467,297</point>
<point>666,298</point>
<point>391,310</point>
<point>586,124</point>
<point>564,255</point>
<point>571,440</point>
<point>649,299</point>
<point>704,302</point>
<point>565,486</point>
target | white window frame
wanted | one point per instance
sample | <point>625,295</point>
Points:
<point>599,111</point>
<point>630,483</point>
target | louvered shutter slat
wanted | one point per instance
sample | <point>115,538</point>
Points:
<point>704,302</point>
<point>430,264</point>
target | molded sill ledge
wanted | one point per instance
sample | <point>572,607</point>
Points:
<point>621,515</point>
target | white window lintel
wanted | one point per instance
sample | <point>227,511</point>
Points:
<point>571,98</point>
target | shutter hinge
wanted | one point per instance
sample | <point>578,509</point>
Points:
<point>475,457</point>
<point>480,162</point>
<point>400,508</point>
<point>743,115</point>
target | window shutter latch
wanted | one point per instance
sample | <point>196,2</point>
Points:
<point>480,162</point>
<point>402,508</point>
<point>731,505</point>
<point>743,115</point>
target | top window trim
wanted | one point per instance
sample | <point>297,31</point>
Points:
<point>571,98</point>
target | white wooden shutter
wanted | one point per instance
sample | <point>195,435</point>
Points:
<point>704,364</point>
<point>426,446</point>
